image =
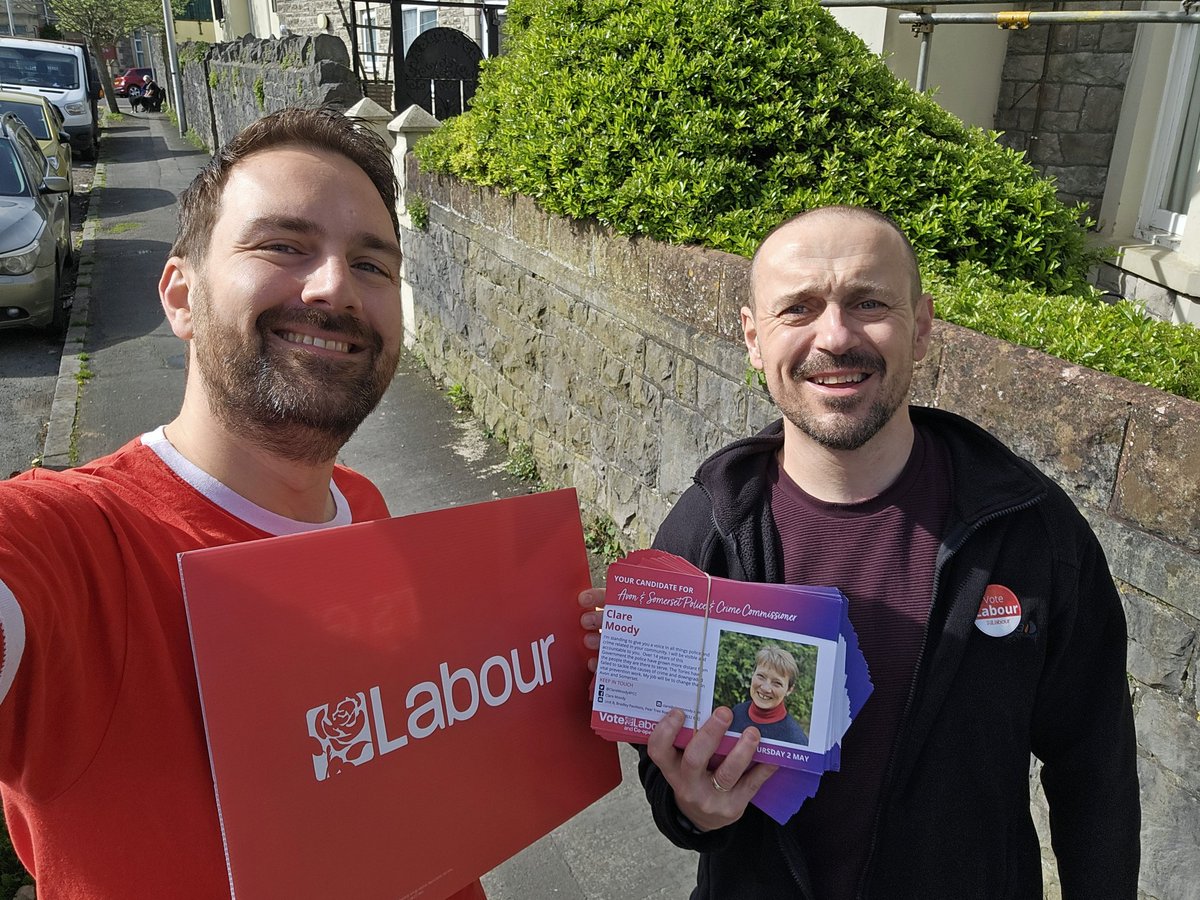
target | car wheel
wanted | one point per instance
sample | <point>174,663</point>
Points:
<point>135,92</point>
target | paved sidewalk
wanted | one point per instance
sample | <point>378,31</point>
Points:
<point>420,452</point>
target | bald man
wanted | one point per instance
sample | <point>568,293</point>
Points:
<point>981,598</point>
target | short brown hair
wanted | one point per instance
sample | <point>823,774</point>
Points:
<point>779,660</point>
<point>323,128</point>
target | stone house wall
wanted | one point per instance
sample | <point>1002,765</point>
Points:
<point>228,86</point>
<point>1060,98</point>
<point>619,362</point>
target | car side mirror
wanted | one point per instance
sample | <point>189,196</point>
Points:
<point>55,184</point>
<point>64,138</point>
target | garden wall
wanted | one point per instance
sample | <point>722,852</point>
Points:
<point>620,362</point>
<point>228,86</point>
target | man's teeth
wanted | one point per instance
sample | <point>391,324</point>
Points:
<point>841,379</point>
<point>340,346</point>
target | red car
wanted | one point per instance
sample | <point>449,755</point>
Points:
<point>130,78</point>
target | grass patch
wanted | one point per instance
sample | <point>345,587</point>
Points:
<point>521,464</point>
<point>459,398</point>
<point>418,213</point>
<point>193,137</point>
<point>603,539</point>
<point>122,227</point>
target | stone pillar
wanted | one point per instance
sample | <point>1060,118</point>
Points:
<point>408,127</point>
<point>378,118</point>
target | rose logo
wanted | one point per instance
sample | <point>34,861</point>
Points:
<point>343,734</point>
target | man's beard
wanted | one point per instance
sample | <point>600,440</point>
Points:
<point>292,403</point>
<point>841,432</point>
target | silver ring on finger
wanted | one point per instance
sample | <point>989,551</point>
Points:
<point>716,784</point>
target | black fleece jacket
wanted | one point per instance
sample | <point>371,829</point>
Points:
<point>954,817</point>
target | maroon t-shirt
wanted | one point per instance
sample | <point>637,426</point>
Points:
<point>881,553</point>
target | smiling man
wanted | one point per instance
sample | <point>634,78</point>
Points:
<point>284,282</point>
<point>929,526</point>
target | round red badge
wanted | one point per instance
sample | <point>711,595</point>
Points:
<point>999,613</point>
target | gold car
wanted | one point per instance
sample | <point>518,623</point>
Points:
<point>46,124</point>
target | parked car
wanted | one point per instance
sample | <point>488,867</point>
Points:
<point>35,233</point>
<point>63,72</point>
<point>45,122</point>
<point>131,80</point>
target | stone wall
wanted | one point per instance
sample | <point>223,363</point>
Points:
<point>619,361</point>
<point>1060,98</point>
<point>228,86</point>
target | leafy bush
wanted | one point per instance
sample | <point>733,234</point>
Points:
<point>602,537</point>
<point>709,121</point>
<point>1117,338</point>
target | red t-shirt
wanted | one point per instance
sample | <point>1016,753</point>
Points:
<point>103,765</point>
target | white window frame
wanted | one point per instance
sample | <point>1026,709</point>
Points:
<point>1156,224</point>
<point>366,15</point>
<point>426,19</point>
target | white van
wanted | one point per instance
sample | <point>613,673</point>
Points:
<point>65,74</point>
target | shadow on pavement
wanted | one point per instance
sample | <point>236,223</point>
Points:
<point>122,201</point>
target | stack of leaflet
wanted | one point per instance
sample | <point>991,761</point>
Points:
<point>676,638</point>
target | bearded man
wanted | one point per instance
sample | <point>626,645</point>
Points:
<point>925,521</point>
<point>284,282</point>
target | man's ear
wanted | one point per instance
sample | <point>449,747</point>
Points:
<point>750,333</point>
<point>174,291</point>
<point>924,326</point>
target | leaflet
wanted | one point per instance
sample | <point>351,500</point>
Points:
<point>784,658</point>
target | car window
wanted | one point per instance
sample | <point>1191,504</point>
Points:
<point>32,158</point>
<point>33,116</point>
<point>12,177</point>
<point>38,68</point>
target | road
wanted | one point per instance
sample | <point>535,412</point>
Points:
<point>29,363</point>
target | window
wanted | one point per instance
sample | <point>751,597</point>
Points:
<point>197,11</point>
<point>417,20</point>
<point>1172,177</point>
<point>374,39</point>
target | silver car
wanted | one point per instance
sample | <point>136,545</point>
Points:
<point>35,233</point>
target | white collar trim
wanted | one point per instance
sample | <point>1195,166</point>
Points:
<point>235,504</point>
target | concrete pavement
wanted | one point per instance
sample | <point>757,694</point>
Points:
<point>122,374</point>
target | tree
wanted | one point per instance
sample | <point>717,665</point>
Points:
<point>104,22</point>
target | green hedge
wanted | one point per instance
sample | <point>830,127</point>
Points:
<point>709,121</point>
<point>1116,338</point>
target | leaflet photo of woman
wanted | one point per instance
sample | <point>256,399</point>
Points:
<point>769,698</point>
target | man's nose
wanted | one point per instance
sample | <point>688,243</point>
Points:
<point>331,283</point>
<point>836,330</point>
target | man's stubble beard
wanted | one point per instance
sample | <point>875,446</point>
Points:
<point>843,432</point>
<point>290,403</point>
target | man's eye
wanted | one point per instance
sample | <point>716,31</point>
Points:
<point>367,266</point>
